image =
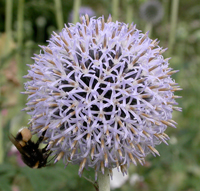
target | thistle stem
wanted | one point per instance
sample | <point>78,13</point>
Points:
<point>8,25</point>
<point>59,14</point>
<point>21,67</point>
<point>20,22</point>
<point>104,180</point>
<point>165,19</point>
<point>1,141</point>
<point>76,8</point>
<point>115,10</point>
<point>148,28</point>
<point>129,11</point>
<point>174,16</point>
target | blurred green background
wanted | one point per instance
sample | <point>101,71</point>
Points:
<point>25,24</point>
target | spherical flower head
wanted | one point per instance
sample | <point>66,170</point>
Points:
<point>103,94</point>
<point>152,11</point>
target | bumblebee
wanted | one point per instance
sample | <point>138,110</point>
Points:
<point>31,154</point>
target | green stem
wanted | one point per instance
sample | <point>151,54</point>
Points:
<point>149,28</point>
<point>1,139</point>
<point>129,11</point>
<point>104,180</point>
<point>59,14</point>
<point>20,22</point>
<point>165,19</point>
<point>20,65</point>
<point>8,25</point>
<point>174,16</point>
<point>115,10</point>
<point>76,7</point>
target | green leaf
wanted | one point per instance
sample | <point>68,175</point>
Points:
<point>4,184</point>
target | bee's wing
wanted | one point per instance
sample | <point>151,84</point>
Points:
<point>17,145</point>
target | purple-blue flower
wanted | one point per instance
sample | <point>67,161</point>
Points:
<point>103,93</point>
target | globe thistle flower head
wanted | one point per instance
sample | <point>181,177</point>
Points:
<point>152,11</point>
<point>103,93</point>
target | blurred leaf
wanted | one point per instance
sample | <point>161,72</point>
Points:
<point>37,181</point>
<point>4,60</point>
<point>4,184</point>
<point>7,170</point>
